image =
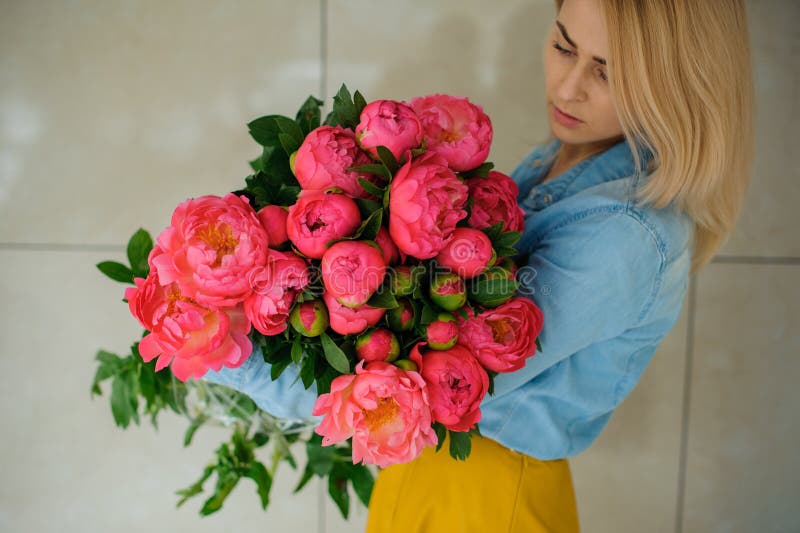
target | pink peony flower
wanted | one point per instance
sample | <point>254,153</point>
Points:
<point>379,344</point>
<point>388,249</point>
<point>455,128</point>
<point>319,218</point>
<point>191,336</point>
<point>426,201</point>
<point>468,253</point>
<point>352,271</point>
<point>402,317</point>
<point>447,290</point>
<point>346,321</point>
<point>495,200</point>
<point>385,410</point>
<point>321,161</point>
<point>504,337</point>
<point>457,383</point>
<point>211,248</point>
<point>273,219</point>
<point>390,124</point>
<point>275,288</point>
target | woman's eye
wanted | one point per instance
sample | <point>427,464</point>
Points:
<point>561,51</point>
<point>565,52</point>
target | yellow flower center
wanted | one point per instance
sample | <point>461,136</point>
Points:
<point>501,331</point>
<point>385,412</point>
<point>174,295</point>
<point>449,136</point>
<point>220,239</point>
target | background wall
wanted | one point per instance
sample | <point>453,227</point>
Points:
<point>112,112</point>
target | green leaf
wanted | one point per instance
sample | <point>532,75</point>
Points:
<point>121,402</point>
<point>139,247</point>
<point>278,367</point>
<point>288,143</point>
<point>259,474</point>
<point>334,355</point>
<point>371,188</point>
<point>383,298</point>
<point>297,350</point>
<point>337,488</point>
<point>308,116</point>
<point>359,101</point>
<point>460,445</point>
<point>538,344</point>
<point>428,315</point>
<point>481,171</point>
<point>224,487</point>
<point>320,458</point>
<point>190,431</point>
<point>116,271</point>
<point>367,207</point>
<point>344,111</point>
<point>363,481</point>
<point>387,158</point>
<point>308,474</point>
<point>308,369</point>
<point>195,488</point>
<point>371,226</point>
<point>507,239</point>
<point>290,127</point>
<point>441,434</point>
<point>264,131</point>
<point>376,168</point>
<point>494,231</point>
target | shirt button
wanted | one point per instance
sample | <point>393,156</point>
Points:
<point>548,198</point>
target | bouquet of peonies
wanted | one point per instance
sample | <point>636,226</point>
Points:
<point>374,251</point>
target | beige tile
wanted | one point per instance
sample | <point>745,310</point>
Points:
<point>627,480</point>
<point>113,112</point>
<point>743,472</point>
<point>64,465</point>
<point>769,222</point>
<point>491,54</point>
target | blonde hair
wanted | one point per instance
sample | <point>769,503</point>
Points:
<point>681,77</point>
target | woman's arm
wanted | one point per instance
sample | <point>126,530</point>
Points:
<point>593,276</point>
<point>284,398</point>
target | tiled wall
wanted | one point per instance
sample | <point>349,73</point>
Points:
<point>112,112</point>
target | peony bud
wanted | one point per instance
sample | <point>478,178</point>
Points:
<point>402,317</point>
<point>448,292</point>
<point>378,344</point>
<point>442,333</point>
<point>405,279</point>
<point>309,318</point>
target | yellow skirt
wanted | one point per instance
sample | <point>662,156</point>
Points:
<point>496,490</point>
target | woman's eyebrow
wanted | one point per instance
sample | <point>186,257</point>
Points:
<point>566,36</point>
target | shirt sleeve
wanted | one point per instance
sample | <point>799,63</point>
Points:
<point>285,397</point>
<point>593,276</point>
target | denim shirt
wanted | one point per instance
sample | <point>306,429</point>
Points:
<point>610,278</point>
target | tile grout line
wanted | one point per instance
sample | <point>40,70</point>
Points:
<point>323,49</point>
<point>687,397</point>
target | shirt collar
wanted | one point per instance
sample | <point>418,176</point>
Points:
<point>614,163</point>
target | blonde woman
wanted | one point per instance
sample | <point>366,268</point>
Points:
<point>650,107</point>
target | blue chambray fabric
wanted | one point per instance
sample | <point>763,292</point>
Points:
<point>610,278</point>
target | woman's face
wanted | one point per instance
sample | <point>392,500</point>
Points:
<point>576,82</point>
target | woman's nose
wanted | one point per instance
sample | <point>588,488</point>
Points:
<point>571,86</point>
